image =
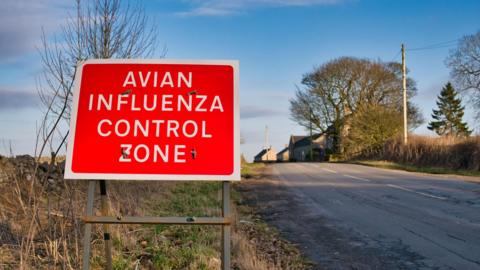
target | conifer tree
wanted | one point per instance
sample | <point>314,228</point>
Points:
<point>448,119</point>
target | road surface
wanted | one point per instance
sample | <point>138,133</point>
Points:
<point>345,216</point>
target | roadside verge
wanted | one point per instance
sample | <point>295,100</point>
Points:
<point>467,175</point>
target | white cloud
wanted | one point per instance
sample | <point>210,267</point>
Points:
<point>21,24</point>
<point>231,7</point>
<point>15,100</point>
<point>252,111</point>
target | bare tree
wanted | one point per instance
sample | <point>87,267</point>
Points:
<point>333,92</point>
<point>464,62</point>
<point>99,29</point>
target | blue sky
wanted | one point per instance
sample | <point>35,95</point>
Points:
<point>276,42</point>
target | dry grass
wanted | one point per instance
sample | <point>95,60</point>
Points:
<point>448,153</point>
<point>251,170</point>
<point>40,224</point>
<point>411,168</point>
<point>248,256</point>
<point>260,246</point>
<point>38,217</point>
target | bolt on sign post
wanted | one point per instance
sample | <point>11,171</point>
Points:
<point>154,120</point>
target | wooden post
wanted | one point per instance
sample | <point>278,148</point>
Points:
<point>311,134</point>
<point>404,86</point>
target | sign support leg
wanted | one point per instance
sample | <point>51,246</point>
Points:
<point>106,229</point>
<point>226,228</point>
<point>225,221</point>
<point>88,226</point>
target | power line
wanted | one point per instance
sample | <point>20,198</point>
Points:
<point>439,45</point>
<point>432,48</point>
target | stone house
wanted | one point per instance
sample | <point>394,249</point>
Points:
<point>299,147</point>
<point>283,155</point>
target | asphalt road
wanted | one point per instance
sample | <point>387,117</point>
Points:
<point>347,216</point>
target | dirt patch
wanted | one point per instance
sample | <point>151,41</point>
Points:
<point>264,240</point>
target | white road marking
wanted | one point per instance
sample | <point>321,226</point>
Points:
<point>357,178</point>
<point>417,192</point>
<point>328,170</point>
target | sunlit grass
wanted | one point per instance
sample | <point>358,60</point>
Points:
<point>412,168</point>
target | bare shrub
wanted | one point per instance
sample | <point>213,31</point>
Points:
<point>47,207</point>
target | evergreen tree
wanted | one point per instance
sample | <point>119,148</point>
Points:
<point>448,118</point>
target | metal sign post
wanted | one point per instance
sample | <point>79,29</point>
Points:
<point>226,227</point>
<point>106,229</point>
<point>88,227</point>
<point>225,221</point>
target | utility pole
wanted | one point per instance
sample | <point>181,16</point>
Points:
<point>266,137</point>
<point>404,83</point>
<point>266,140</point>
<point>311,135</point>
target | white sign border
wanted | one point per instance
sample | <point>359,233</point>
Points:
<point>235,176</point>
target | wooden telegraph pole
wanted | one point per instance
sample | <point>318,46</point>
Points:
<point>266,140</point>
<point>311,135</point>
<point>404,83</point>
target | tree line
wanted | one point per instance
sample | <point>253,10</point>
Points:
<point>359,102</point>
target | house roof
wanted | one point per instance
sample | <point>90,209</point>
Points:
<point>263,152</point>
<point>296,138</point>
<point>283,151</point>
<point>304,140</point>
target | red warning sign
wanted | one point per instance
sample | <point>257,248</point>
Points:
<point>155,120</point>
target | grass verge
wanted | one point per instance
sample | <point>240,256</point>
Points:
<point>412,168</point>
<point>255,245</point>
<point>171,246</point>
<point>48,235</point>
<point>252,170</point>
